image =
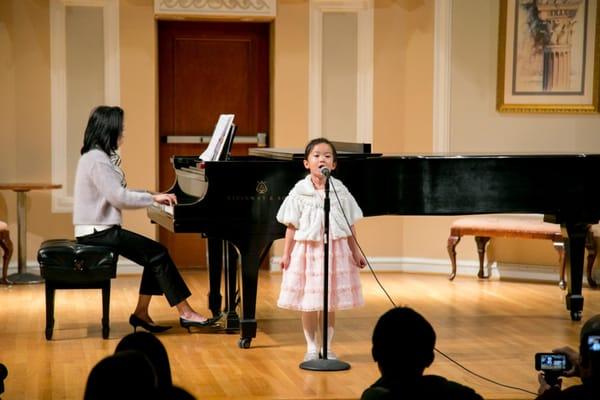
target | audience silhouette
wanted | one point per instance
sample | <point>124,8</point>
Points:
<point>403,346</point>
<point>586,365</point>
<point>139,369</point>
<point>149,345</point>
<point>122,376</point>
<point>3,375</point>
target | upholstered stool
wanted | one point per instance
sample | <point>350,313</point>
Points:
<point>485,227</point>
<point>64,264</point>
<point>7,248</point>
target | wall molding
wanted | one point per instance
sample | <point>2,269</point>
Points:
<point>62,200</point>
<point>442,75</point>
<point>227,8</point>
<point>364,77</point>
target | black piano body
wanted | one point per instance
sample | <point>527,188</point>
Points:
<point>244,194</point>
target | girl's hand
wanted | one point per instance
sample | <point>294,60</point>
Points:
<point>165,198</point>
<point>285,262</point>
<point>360,260</point>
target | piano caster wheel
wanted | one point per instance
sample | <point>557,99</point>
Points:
<point>105,331</point>
<point>48,334</point>
<point>562,284</point>
<point>244,343</point>
<point>576,315</point>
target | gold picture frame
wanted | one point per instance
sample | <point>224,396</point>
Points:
<point>548,56</point>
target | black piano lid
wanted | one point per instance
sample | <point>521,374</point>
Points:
<point>462,155</point>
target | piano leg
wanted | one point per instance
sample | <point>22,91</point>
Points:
<point>220,260</point>
<point>215,270</point>
<point>249,286</point>
<point>574,253</point>
<point>230,261</point>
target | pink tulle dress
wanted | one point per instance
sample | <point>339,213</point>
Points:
<point>302,281</point>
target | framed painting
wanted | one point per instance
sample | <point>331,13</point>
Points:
<point>548,56</point>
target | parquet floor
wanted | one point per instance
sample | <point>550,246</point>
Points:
<point>491,327</point>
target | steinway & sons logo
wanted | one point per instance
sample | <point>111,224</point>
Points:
<point>261,187</point>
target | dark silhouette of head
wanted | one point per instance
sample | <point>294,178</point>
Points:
<point>103,129</point>
<point>122,376</point>
<point>3,375</point>
<point>151,347</point>
<point>403,343</point>
<point>590,355</point>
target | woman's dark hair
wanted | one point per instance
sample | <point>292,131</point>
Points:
<point>403,342</point>
<point>125,375</point>
<point>151,347</point>
<point>317,141</point>
<point>103,129</point>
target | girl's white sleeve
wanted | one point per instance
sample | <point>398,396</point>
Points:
<point>289,212</point>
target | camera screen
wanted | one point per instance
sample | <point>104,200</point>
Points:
<point>594,343</point>
<point>553,362</point>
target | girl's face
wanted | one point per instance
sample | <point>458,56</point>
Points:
<point>320,156</point>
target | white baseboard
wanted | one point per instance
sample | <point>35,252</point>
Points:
<point>496,271</point>
<point>124,267</point>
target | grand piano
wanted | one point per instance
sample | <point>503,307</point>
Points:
<point>237,200</point>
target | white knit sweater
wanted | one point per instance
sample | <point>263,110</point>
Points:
<point>99,196</point>
<point>303,208</point>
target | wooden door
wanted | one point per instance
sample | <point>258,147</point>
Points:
<point>207,69</point>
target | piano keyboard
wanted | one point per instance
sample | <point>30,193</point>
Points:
<point>164,208</point>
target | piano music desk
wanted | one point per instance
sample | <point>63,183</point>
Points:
<point>486,227</point>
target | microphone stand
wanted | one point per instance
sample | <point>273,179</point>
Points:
<point>325,364</point>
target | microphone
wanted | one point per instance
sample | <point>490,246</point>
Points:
<point>325,172</point>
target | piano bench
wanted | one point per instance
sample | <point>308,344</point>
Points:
<point>65,264</point>
<point>486,227</point>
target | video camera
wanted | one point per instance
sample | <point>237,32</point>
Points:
<point>553,365</point>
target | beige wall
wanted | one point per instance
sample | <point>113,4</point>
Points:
<point>25,118</point>
<point>290,74</point>
<point>403,70</point>
<point>138,99</point>
<point>476,126</point>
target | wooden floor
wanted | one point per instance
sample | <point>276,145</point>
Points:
<point>491,327</point>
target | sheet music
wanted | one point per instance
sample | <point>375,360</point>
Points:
<point>218,139</point>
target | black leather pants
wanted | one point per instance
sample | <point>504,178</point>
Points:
<point>160,274</point>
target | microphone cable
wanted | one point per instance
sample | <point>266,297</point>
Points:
<point>394,304</point>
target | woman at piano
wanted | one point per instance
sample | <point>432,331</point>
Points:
<point>100,195</point>
<point>302,260</point>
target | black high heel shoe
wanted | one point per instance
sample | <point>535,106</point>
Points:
<point>136,321</point>
<point>186,323</point>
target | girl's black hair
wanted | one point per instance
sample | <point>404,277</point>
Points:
<point>317,141</point>
<point>103,129</point>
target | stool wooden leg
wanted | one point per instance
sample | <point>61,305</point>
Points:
<point>49,310</point>
<point>590,245</point>
<point>105,309</point>
<point>7,248</point>
<point>452,242</point>
<point>559,245</point>
<point>481,242</point>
